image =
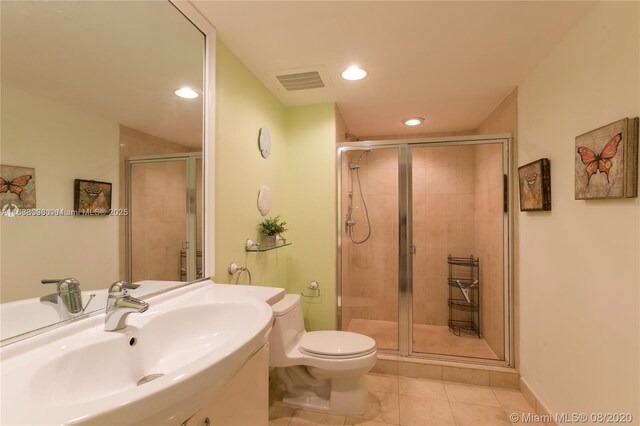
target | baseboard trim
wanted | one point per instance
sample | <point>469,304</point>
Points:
<point>535,402</point>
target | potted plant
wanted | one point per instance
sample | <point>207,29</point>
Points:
<point>271,227</point>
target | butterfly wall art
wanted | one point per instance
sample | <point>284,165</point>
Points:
<point>535,185</point>
<point>91,197</point>
<point>18,186</point>
<point>606,164</point>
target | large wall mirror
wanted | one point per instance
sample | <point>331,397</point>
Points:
<point>88,93</point>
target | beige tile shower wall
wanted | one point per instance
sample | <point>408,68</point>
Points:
<point>370,269</point>
<point>158,220</point>
<point>489,243</point>
<point>160,207</point>
<point>504,119</point>
<point>443,224</point>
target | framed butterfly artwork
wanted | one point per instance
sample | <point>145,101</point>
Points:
<point>17,187</point>
<point>606,162</point>
<point>91,197</point>
<point>535,185</point>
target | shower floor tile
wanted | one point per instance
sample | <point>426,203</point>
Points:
<point>431,339</point>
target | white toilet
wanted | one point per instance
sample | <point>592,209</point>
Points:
<point>322,370</point>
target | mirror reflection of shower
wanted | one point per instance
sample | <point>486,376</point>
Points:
<point>350,223</point>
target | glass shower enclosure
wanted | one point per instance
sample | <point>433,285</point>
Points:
<point>405,208</point>
<point>164,227</point>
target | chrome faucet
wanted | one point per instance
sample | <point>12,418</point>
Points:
<point>120,305</point>
<point>68,294</point>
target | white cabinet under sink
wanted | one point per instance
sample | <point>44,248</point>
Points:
<point>243,400</point>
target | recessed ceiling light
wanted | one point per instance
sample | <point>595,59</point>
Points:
<point>413,121</point>
<point>186,92</point>
<point>354,73</point>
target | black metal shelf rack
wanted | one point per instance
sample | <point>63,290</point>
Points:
<point>464,295</point>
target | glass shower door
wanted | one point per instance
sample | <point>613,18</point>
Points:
<point>369,237</point>
<point>165,223</point>
<point>457,210</point>
<point>406,208</point>
<point>199,225</point>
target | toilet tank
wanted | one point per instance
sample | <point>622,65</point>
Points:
<point>288,328</point>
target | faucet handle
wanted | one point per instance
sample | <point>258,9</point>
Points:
<point>69,291</point>
<point>64,284</point>
<point>118,289</point>
<point>119,305</point>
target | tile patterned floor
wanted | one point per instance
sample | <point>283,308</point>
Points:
<point>397,400</point>
<point>431,339</point>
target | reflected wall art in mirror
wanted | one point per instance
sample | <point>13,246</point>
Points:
<point>87,88</point>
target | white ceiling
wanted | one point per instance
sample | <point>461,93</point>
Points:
<point>451,62</point>
<point>120,60</point>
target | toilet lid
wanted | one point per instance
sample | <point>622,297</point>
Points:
<point>336,343</point>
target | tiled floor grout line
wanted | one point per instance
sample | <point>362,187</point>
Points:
<point>451,408</point>
<point>394,392</point>
<point>449,402</point>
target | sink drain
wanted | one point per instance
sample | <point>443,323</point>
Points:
<point>148,378</point>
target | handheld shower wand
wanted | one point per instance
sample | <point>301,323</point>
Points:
<point>349,222</point>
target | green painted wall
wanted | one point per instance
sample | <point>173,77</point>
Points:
<point>311,210</point>
<point>243,106</point>
<point>301,174</point>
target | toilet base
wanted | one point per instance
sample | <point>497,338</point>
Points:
<point>339,396</point>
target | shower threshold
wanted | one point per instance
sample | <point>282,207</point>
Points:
<point>427,339</point>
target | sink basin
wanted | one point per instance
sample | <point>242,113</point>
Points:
<point>161,343</point>
<point>31,314</point>
<point>188,340</point>
<point>27,315</point>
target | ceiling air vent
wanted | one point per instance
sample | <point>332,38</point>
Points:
<point>301,80</point>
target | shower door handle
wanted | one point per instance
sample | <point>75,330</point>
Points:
<point>413,249</point>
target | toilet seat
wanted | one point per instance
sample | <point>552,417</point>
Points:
<point>336,344</point>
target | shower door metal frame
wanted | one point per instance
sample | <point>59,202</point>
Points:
<point>402,290</point>
<point>405,234</point>
<point>190,159</point>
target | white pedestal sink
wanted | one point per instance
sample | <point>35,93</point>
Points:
<point>186,346</point>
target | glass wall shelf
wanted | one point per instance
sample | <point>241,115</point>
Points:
<point>257,248</point>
